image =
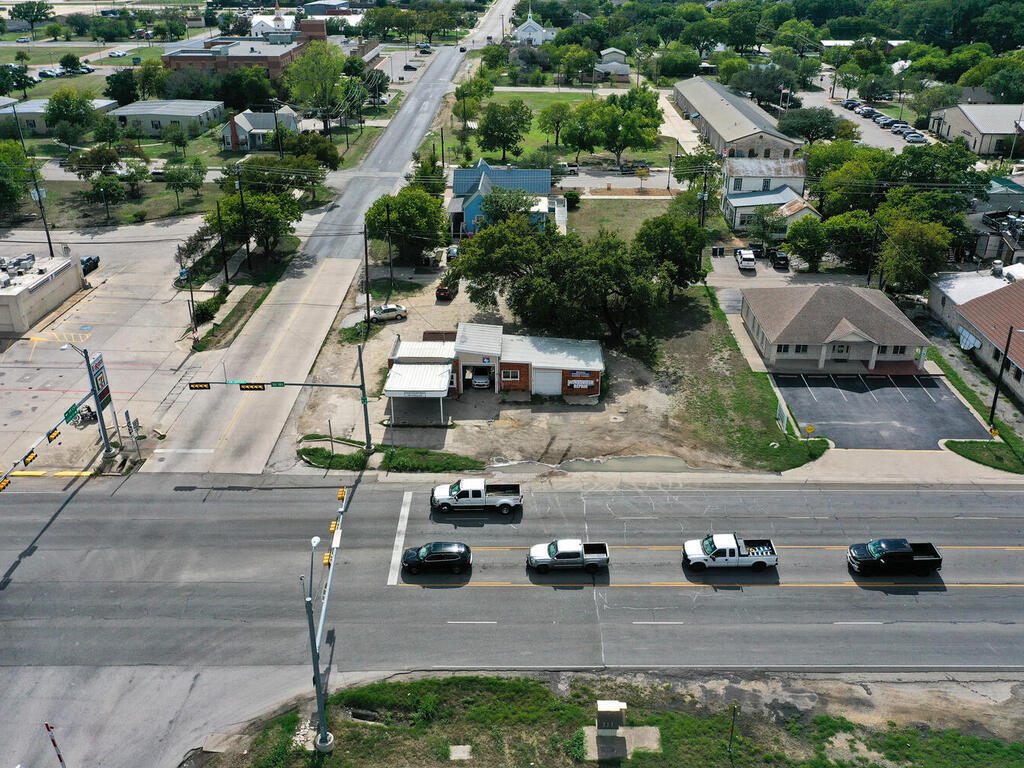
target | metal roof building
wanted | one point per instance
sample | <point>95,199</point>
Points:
<point>988,129</point>
<point>151,117</point>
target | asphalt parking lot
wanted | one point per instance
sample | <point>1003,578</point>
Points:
<point>893,412</point>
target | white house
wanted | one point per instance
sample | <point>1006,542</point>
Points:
<point>248,130</point>
<point>613,65</point>
<point>739,208</point>
<point>531,32</point>
<point>261,25</point>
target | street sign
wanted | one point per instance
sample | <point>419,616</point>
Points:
<point>277,383</point>
<point>70,413</point>
<point>362,400</point>
<point>99,377</point>
<point>183,274</point>
<point>128,424</point>
<point>809,429</point>
<point>135,425</point>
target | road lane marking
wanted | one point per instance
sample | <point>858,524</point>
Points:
<point>396,552</point>
<point>472,622</point>
<point>184,450</point>
<point>837,547</point>
<point>660,622</point>
<point>28,473</point>
<point>72,473</point>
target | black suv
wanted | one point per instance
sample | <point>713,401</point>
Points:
<point>452,556</point>
<point>778,258</point>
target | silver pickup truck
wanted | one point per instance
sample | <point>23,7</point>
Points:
<point>474,493</point>
<point>591,556</point>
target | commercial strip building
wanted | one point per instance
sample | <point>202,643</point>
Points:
<point>733,125</point>
<point>988,129</point>
<point>152,117</point>
<point>444,365</point>
<point>831,329</point>
<point>32,113</point>
<point>27,298</point>
<point>983,326</point>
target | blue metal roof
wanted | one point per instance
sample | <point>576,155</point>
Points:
<point>466,181</point>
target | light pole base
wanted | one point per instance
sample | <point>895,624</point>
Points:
<point>324,746</point>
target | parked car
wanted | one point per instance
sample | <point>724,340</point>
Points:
<point>410,67</point>
<point>569,169</point>
<point>745,259</point>
<point>85,69</point>
<point>425,51</point>
<point>915,138</point>
<point>885,121</point>
<point>23,40</point>
<point>482,378</point>
<point>446,291</point>
<point>477,493</point>
<point>898,124</point>
<point>48,73</point>
<point>157,174</point>
<point>851,103</point>
<point>386,312</point>
<point>778,258</point>
<point>462,49</point>
<point>899,130</point>
<point>591,556</point>
<point>89,263</point>
<point>117,54</point>
<point>453,556</point>
<point>727,550</point>
<point>885,556</point>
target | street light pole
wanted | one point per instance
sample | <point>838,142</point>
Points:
<point>325,740</point>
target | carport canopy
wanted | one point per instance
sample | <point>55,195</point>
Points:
<point>418,380</point>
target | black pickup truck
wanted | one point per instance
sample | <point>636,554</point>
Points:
<point>891,556</point>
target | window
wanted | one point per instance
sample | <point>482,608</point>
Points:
<point>155,124</point>
<point>175,122</point>
<point>840,349</point>
<point>883,350</point>
<point>1017,372</point>
<point>452,381</point>
<point>800,349</point>
<point>782,349</point>
<point>745,219</point>
<point>751,153</point>
<point>507,375</point>
<point>996,354</point>
<point>30,123</point>
<point>899,350</point>
<point>737,185</point>
<point>767,152</point>
<point>766,185</point>
<point>785,153</point>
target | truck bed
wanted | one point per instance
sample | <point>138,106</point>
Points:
<point>756,547</point>
<point>925,550</point>
<point>595,549</point>
<point>501,489</point>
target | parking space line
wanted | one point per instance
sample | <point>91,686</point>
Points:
<point>836,384</point>
<point>867,387</point>
<point>891,381</point>
<point>804,380</point>
<point>478,622</point>
<point>918,380</point>
<point>396,552</point>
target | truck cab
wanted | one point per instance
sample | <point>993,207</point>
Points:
<point>891,556</point>
<point>727,550</point>
<point>568,553</point>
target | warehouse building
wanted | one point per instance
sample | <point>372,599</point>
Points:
<point>152,117</point>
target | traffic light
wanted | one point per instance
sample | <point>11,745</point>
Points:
<point>199,385</point>
<point>252,387</point>
<point>53,435</point>
<point>327,558</point>
<point>4,483</point>
<point>334,525</point>
<point>341,494</point>
<point>29,458</point>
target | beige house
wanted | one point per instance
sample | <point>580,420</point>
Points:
<point>831,328</point>
<point>733,125</point>
<point>32,113</point>
<point>988,129</point>
<point>152,117</point>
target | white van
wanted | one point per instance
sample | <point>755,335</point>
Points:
<point>745,259</point>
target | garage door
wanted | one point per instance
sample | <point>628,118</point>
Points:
<point>547,382</point>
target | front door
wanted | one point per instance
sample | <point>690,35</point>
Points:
<point>840,352</point>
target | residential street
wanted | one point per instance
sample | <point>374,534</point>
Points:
<point>169,605</point>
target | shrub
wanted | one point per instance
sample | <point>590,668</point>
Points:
<point>921,122</point>
<point>400,459</point>
<point>572,198</point>
<point>139,216</point>
<point>205,310</point>
<point>321,457</point>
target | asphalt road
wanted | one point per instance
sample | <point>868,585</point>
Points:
<point>171,603</point>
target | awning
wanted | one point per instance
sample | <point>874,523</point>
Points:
<point>967,340</point>
<point>418,380</point>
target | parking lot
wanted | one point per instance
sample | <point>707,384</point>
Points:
<point>871,134</point>
<point>894,412</point>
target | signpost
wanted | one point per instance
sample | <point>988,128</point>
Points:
<point>99,376</point>
<point>133,431</point>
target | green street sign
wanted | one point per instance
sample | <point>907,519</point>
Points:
<point>277,383</point>
<point>70,413</point>
<point>362,400</point>
<point>237,381</point>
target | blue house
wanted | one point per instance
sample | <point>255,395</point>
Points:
<point>469,185</point>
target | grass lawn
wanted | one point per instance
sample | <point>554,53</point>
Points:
<point>725,408</point>
<point>359,145</point>
<point>908,114</point>
<point>44,146</point>
<point>380,286</point>
<point>324,458</point>
<point>400,459</point>
<point>517,721</point>
<point>94,82</point>
<point>623,217</point>
<point>223,333</point>
<point>43,54</point>
<point>208,146</point>
<point>388,110</point>
<point>1006,454</point>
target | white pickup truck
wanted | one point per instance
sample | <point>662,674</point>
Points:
<point>474,493</point>
<point>727,550</point>
<point>591,556</point>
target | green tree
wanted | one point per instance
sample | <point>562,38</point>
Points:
<point>177,179</point>
<point>196,175</point>
<point>1002,26</point>
<point>801,36</point>
<point>87,164</point>
<point>121,86</point>
<point>729,68</point>
<point>78,22</point>
<point>846,130</point>
<point>806,238</point>
<point>151,77</point>
<point>494,56</point>
<point>582,132</point>
<point>741,29</point>
<point>70,62</point>
<point>553,117</point>
<point>670,239</point>
<point>68,134</point>
<point>1007,84</point>
<point>247,87</point>
<point>14,175</point>
<point>106,190</point>
<point>21,79</point>
<point>503,126</point>
<point>33,12</point>
<point>766,223</point>
<point>22,57</point>
<point>429,175</point>
<point>135,174</point>
<point>705,35</point>
<point>930,99</point>
<point>174,135</point>
<point>313,145</point>
<point>874,87</point>
<point>418,222</point>
<point>622,130</point>
<point>354,67</point>
<point>225,22</point>
<point>314,79</point>
<point>912,251</point>
<point>851,238</point>
<point>848,76</point>
<point>377,83</point>
<point>811,125</point>
<point>68,105</point>
<point>950,164</point>
<point>270,217</point>
<point>574,61</point>
<point>107,130</point>
<point>501,204</point>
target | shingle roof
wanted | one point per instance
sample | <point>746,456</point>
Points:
<point>478,339</point>
<point>466,181</point>
<point>264,121</point>
<point>994,313</point>
<point>820,314</point>
<point>543,352</point>
<point>775,167</point>
<point>731,115</point>
<point>172,108</point>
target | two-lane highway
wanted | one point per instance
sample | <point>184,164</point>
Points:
<point>172,603</point>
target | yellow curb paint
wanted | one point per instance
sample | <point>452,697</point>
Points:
<point>72,473</point>
<point>28,473</point>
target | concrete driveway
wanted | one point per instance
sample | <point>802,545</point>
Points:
<point>881,412</point>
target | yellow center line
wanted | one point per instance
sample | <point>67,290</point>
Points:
<point>72,473</point>
<point>836,547</point>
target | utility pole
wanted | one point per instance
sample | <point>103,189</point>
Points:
<point>223,251</point>
<point>325,739</point>
<point>35,182</point>
<point>442,149</point>
<point>703,197</point>
<point>999,378</point>
<point>362,383</point>
<point>366,277</point>
<point>277,131</point>
<point>391,263</point>
<point>245,219</point>
<point>668,181</point>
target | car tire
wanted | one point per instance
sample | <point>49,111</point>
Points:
<point>505,509</point>
<point>543,568</point>
<point>758,567</point>
<point>697,567</point>
<point>590,568</point>
<point>445,508</point>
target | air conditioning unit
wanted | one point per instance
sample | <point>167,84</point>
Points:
<point>41,270</point>
<point>5,280</point>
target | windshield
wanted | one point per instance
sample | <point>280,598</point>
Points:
<point>552,549</point>
<point>708,544</point>
<point>453,489</point>
<point>424,551</point>
<point>875,549</point>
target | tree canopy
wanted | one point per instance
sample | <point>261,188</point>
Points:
<point>417,221</point>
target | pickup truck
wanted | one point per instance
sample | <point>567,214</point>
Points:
<point>887,556</point>
<point>727,550</point>
<point>474,493</point>
<point>568,553</point>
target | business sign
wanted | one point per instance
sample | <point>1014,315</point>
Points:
<point>99,378</point>
<point>485,359</point>
<point>579,373</point>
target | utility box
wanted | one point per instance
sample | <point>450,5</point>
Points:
<point>611,715</point>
